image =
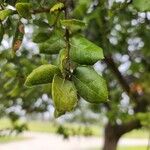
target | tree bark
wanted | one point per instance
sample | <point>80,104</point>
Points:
<point>113,133</point>
<point>110,138</point>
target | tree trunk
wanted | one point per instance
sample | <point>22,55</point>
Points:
<point>113,132</point>
<point>111,138</point>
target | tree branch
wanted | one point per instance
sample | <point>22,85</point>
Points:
<point>129,126</point>
<point>140,101</point>
<point>111,64</point>
<point>40,10</point>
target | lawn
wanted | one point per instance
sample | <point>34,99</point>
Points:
<point>133,148</point>
<point>72,129</point>
<point>4,123</point>
<point>39,126</point>
<point>49,127</point>
<point>7,139</point>
<point>128,148</point>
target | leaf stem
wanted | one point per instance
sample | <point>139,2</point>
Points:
<point>67,37</point>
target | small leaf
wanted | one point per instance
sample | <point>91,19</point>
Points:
<point>42,75</point>
<point>13,2</point>
<point>48,48</point>
<point>18,37</point>
<point>73,23</point>
<point>41,23</point>
<point>5,13</point>
<point>53,45</point>
<point>23,9</point>
<point>15,91</point>
<point>84,51</point>
<point>90,85</point>
<point>1,32</point>
<point>64,95</point>
<point>142,5</point>
<point>10,2</point>
<point>41,36</point>
<point>62,61</point>
<point>22,1</point>
<point>57,7</point>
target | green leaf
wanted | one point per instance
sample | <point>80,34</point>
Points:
<point>5,13</point>
<point>41,23</point>
<point>90,85</point>
<point>53,45</point>
<point>84,51</point>
<point>1,32</point>
<point>144,118</point>
<point>73,23</point>
<point>18,37</point>
<point>57,7</point>
<point>41,36</point>
<point>22,1</point>
<point>42,75</point>
<point>15,91</point>
<point>142,5</point>
<point>57,114</point>
<point>10,2</point>
<point>50,48</point>
<point>64,95</point>
<point>62,61</point>
<point>13,2</point>
<point>23,9</point>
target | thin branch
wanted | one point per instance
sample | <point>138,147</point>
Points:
<point>111,64</point>
<point>40,10</point>
<point>139,100</point>
<point>129,126</point>
<point>67,35</point>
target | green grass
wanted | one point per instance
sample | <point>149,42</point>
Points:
<point>39,126</point>
<point>143,133</point>
<point>127,148</point>
<point>132,148</point>
<point>5,123</point>
<point>72,129</point>
<point>7,139</point>
<point>51,127</point>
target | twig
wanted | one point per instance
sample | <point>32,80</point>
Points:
<point>67,36</point>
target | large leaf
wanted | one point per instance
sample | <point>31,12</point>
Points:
<point>142,5</point>
<point>23,9</point>
<point>42,75</point>
<point>90,85</point>
<point>5,13</point>
<point>84,51</point>
<point>64,95</point>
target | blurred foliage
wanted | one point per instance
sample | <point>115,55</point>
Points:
<point>119,28</point>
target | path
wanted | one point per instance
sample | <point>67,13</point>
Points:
<point>45,141</point>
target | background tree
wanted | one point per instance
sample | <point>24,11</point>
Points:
<point>120,28</point>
